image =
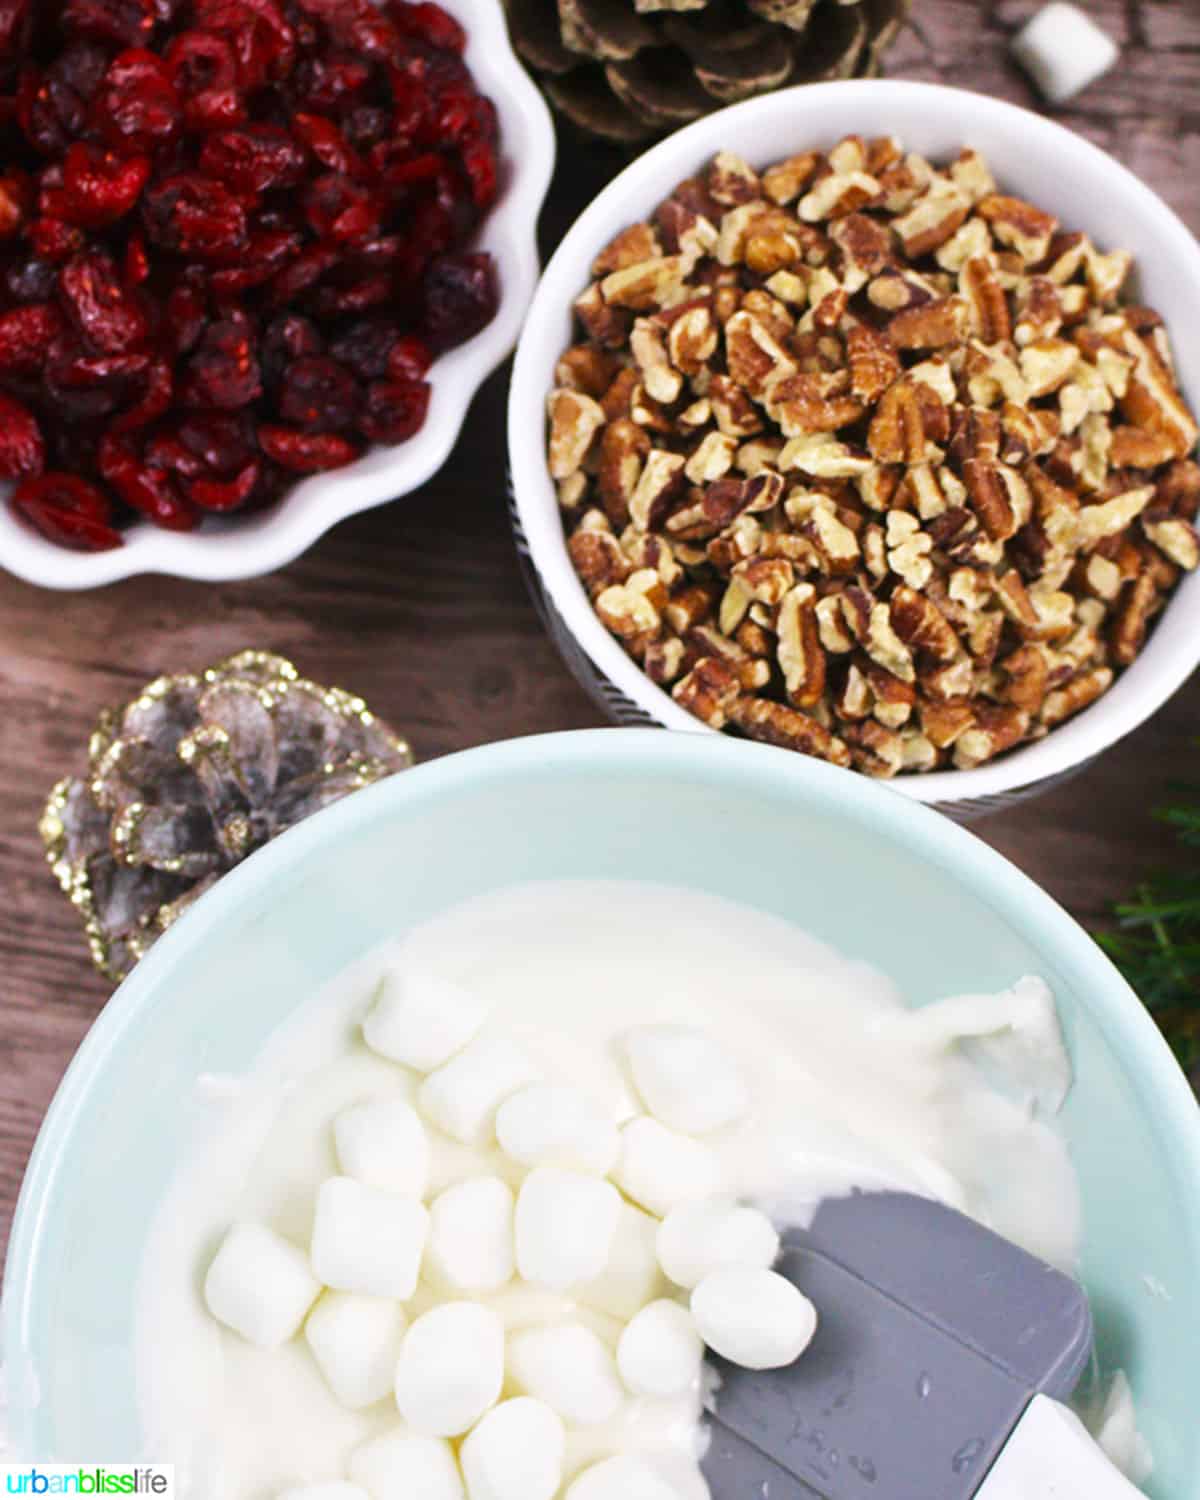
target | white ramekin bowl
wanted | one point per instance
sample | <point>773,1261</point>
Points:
<point>246,547</point>
<point>1031,157</point>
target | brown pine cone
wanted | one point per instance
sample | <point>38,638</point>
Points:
<point>626,70</point>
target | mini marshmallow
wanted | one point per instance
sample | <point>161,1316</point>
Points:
<point>1063,50</point>
<point>367,1241</point>
<point>260,1285</point>
<point>471,1235</point>
<point>565,1225</point>
<point>516,1453</point>
<point>712,1234</point>
<point>451,1368</point>
<point>660,1168</point>
<point>570,1368</point>
<point>660,1352</point>
<point>632,1277</point>
<point>685,1079</point>
<point>421,1020</point>
<point>356,1342</point>
<point>757,1319</point>
<point>462,1098</point>
<point>337,1489</point>
<point>551,1125</point>
<point>382,1142</point>
<point>402,1466</point>
<point>625,1477</point>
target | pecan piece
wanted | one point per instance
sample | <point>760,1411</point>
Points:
<point>709,691</point>
<point>1017,223</point>
<point>1076,695</point>
<point>658,484</point>
<point>995,730</point>
<point>575,420</point>
<point>597,557</point>
<point>776,724</point>
<point>979,287</point>
<point>801,657</point>
<point>623,449</point>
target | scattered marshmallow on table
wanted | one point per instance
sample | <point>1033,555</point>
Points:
<point>471,1235</point>
<point>451,1368</point>
<point>462,1097</point>
<point>756,1319</point>
<point>686,1080</point>
<point>368,1241</point>
<point>355,1341</point>
<point>552,1125</point>
<point>565,1224</point>
<point>382,1142</point>
<point>626,1477</point>
<point>421,1020</point>
<point>713,1234</point>
<point>260,1285</point>
<point>1063,50</point>
<point>405,1466</point>
<point>516,1453</point>
<point>659,1168</point>
<point>632,1276</point>
<point>337,1489</point>
<point>660,1352</point>
<point>568,1367</point>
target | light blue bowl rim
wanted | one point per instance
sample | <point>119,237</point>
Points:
<point>1170,1107</point>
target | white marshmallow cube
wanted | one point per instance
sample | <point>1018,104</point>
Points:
<point>565,1225</point>
<point>757,1319</point>
<point>451,1368</point>
<point>712,1234</point>
<point>471,1235</point>
<point>368,1241</point>
<point>626,1477</point>
<point>382,1142</point>
<point>403,1466</point>
<point>1063,50</point>
<point>462,1098</point>
<point>660,1352</point>
<point>570,1368</point>
<point>632,1277</point>
<point>337,1489</point>
<point>659,1168</point>
<point>421,1020</point>
<point>686,1080</point>
<point>516,1453</point>
<point>552,1125</point>
<point>356,1342</point>
<point>260,1285</point>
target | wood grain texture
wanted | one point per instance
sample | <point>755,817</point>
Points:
<point>419,606</point>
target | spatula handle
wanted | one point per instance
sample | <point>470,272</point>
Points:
<point>1052,1456</point>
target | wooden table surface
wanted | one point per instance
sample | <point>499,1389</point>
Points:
<point>419,606</point>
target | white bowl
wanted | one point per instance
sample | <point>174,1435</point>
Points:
<point>245,547</point>
<point>1031,157</point>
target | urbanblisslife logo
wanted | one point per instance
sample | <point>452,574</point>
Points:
<point>89,1479</point>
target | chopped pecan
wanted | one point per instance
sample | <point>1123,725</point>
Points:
<point>1017,223</point>
<point>874,363</point>
<point>736,414</point>
<point>776,724</point>
<point>838,194</point>
<point>597,557</point>
<point>756,361</point>
<point>784,182</point>
<point>659,482</point>
<point>801,657</point>
<point>731,180</point>
<point>649,347</point>
<point>813,401</point>
<point>575,420</point>
<point>765,579</point>
<point>586,368</point>
<point>609,326</point>
<point>709,691</point>
<point>1175,538</point>
<point>1178,489</point>
<point>646,285</point>
<point>979,287</point>
<point>933,218</point>
<point>932,326</point>
<point>630,609</point>
<point>875,750</point>
<point>623,448</point>
<point>1025,675</point>
<point>1132,619</point>
<point>943,720</point>
<point>995,730</point>
<point>663,661</point>
<point>690,606</point>
<point>1152,401</point>
<point>692,339</point>
<point>1076,695</point>
<point>922,626</point>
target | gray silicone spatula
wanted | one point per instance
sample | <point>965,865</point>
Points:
<point>941,1359</point>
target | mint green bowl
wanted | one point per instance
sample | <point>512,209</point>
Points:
<point>863,868</point>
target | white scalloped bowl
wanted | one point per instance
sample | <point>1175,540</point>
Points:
<point>1032,157</point>
<point>246,547</point>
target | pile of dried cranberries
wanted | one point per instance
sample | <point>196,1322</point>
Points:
<point>231,244</point>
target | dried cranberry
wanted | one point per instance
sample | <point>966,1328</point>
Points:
<point>479,163</point>
<point>16,24</point>
<point>395,410</point>
<point>203,68</point>
<point>138,106</point>
<point>367,126</point>
<point>411,116</point>
<point>221,442</point>
<point>50,113</point>
<point>155,400</point>
<point>253,158</point>
<point>429,22</point>
<point>409,360</point>
<point>149,491</point>
<point>352,299</point>
<point>304,273</point>
<point>91,292</point>
<point>164,451</point>
<point>26,334</point>
<point>55,239</point>
<point>461,298</point>
<point>31,280</point>
<point>327,144</point>
<point>289,338</point>
<point>16,202</point>
<point>264,257</point>
<point>319,395</point>
<point>136,271</point>
<point>194,215</point>
<point>69,511</point>
<point>227,494</point>
<point>22,448</point>
<point>224,373</point>
<point>123,23</point>
<point>306,452</point>
<point>331,83</point>
<point>263,42</point>
<point>98,187</point>
<point>366,348</point>
<point>338,208</point>
<point>186,317</point>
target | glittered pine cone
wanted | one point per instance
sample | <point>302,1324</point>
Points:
<point>626,70</point>
<point>194,774</point>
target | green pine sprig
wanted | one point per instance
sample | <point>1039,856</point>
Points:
<point>1157,941</point>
